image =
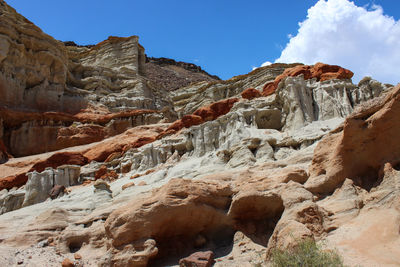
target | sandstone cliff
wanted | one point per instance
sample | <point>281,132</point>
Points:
<point>109,159</point>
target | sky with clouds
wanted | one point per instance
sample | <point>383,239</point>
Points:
<point>229,37</point>
<point>362,39</point>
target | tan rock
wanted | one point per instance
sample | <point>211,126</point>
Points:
<point>359,150</point>
<point>125,186</point>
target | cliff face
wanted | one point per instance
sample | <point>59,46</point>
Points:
<point>111,158</point>
<point>40,74</point>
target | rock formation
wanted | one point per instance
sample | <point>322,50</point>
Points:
<point>119,159</point>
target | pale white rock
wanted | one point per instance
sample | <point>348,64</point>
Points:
<point>11,200</point>
<point>305,101</point>
<point>367,88</point>
<point>38,186</point>
<point>67,175</point>
<point>297,102</point>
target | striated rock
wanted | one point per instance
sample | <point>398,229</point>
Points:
<point>198,259</point>
<point>374,126</point>
<point>99,152</point>
<point>11,200</point>
<point>188,99</point>
<point>214,171</point>
<point>307,101</point>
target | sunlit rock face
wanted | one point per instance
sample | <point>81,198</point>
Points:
<point>112,158</point>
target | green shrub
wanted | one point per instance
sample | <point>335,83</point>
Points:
<point>305,254</point>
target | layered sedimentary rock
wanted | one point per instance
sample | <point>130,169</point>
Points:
<point>155,174</point>
<point>40,74</point>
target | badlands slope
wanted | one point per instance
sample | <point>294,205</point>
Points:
<point>112,158</point>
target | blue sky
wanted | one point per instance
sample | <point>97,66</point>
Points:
<point>225,38</point>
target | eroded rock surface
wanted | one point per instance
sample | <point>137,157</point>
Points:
<point>162,162</point>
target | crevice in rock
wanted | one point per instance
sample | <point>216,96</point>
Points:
<point>172,248</point>
<point>368,179</point>
<point>74,246</point>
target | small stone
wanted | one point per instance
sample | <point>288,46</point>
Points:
<point>125,186</point>
<point>77,256</point>
<point>142,183</point>
<point>135,176</point>
<point>20,262</point>
<point>67,263</point>
<point>198,259</point>
<point>42,244</point>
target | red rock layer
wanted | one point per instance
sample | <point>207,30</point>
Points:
<point>320,71</point>
<point>202,115</point>
<point>13,118</point>
<point>54,161</point>
<point>250,93</point>
<point>132,138</point>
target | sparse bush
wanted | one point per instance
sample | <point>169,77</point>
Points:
<point>305,254</point>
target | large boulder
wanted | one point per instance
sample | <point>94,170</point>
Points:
<point>359,150</point>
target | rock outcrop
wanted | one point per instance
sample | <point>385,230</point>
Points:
<point>91,92</point>
<point>361,148</point>
<point>321,72</point>
<point>163,164</point>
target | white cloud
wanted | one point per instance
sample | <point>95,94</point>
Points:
<point>341,33</point>
<point>267,63</point>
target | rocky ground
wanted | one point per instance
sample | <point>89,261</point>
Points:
<point>112,158</point>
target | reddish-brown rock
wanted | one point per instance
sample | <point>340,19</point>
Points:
<point>127,185</point>
<point>113,156</point>
<point>320,71</point>
<point>61,158</point>
<point>67,263</point>
<point>100,172</point>
<point>250,93</point>
<point>325,72</point>
<point>216,109</point>
<point>201,115</point>
<point>132,138</point>
<point>105,174</point>
<point>190,120</point>
<point>198,259</point>
<point>15,172</point>
<point>13,181</point>
<point>57,130</point>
